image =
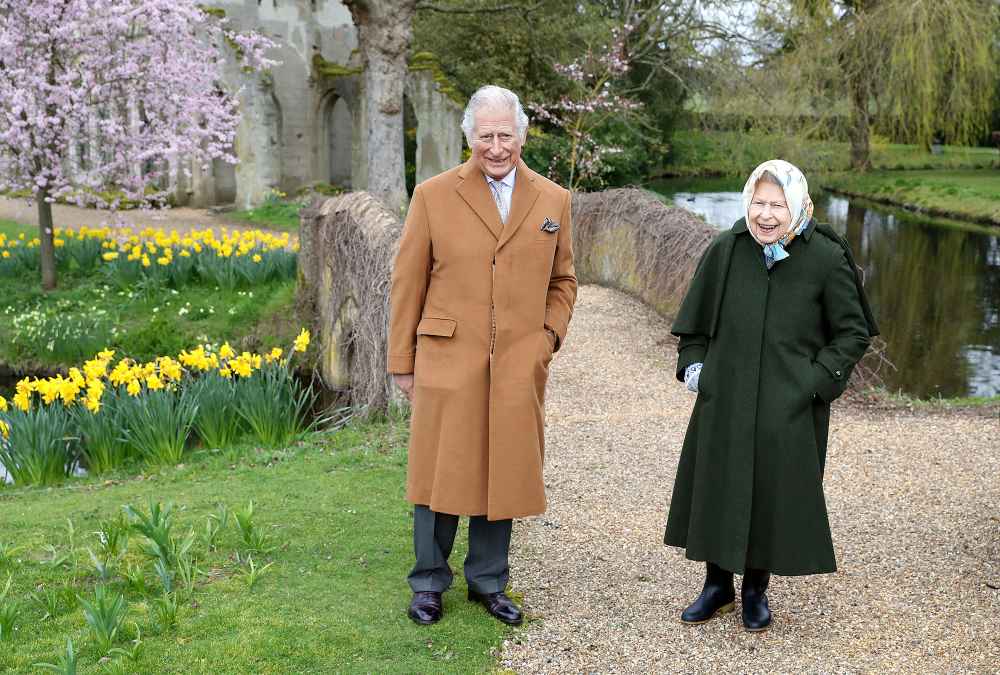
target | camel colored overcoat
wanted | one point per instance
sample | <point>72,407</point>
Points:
<point>470,301</point>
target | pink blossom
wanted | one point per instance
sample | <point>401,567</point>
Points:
<point>100,94</point>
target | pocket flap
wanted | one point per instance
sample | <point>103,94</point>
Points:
<point>439,327</point>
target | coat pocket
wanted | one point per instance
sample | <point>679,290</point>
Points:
<point>437,327</point>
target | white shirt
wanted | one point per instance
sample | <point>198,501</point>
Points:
<point>503,191</point>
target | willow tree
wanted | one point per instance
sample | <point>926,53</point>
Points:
<point>914,69</point>
<point>922,68</point>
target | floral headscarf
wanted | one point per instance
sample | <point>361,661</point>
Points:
<point>796,190</point>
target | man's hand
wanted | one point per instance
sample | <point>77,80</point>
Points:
<point>405,384</point>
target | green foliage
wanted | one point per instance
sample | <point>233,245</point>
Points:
<point>728,153</point>
<point>253,539</point>
<point>41,449</point>
<point>156,528</point>
<point>10,612</point>
<point>217,422</point>
<point>63,330</point>
<point>274,405</point>
<point>252,573</point>
<point>158,423</point>
<point>345,542</point>
<point>512,49</point>
<point>67,662</point>
<point>105,616</point>
<point>102,442</point>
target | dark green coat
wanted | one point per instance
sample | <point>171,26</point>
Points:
<point>778,348</point>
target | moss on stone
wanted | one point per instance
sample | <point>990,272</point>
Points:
<point>429,62</point>
<point>324,68</point>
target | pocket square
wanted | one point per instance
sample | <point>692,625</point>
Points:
<point>549,226</point>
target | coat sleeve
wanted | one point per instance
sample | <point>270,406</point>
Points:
<point>561,295</point>
<point>410,278</point>
<point>848,330</point>
<point>698,314</point>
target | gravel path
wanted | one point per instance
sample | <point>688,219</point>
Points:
<point>914,502</point>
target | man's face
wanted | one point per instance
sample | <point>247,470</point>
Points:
<point>496,147</point>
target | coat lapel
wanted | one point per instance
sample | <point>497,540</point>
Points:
<point>473,189</point>
<point>524,197</point>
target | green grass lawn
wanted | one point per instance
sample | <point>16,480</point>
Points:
<point>13,229</point>
<point>720,153</point>
<point>274,215</point>
<point>967,193</point>
<point>87,313</point>
<point>333,601</point>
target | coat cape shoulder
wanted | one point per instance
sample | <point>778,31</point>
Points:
<point>699,313</point>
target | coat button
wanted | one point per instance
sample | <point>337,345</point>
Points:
<point>838,373</point>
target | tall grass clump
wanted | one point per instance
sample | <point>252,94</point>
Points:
<point>103,446</point>
<point>40,447</point>
<point>274,405</point>
<point>217,423</point>
<point>157,424</point>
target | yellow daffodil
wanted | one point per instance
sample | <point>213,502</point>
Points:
<point>92,404</point>
<point>302,341</point>
<point>225,372</point>
<point>145,261</point>
<point>274,354</point>
<point>4,429</point>
<point>110,255</point>
<point>133,388</point>
<point>22,401</point>
<point>170,368</point>
<point>226,351</point>
<point>5,254</point>
<point>153,383</point>
<point>3,404</point>
<point>256,258</point>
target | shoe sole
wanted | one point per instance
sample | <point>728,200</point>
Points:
<point>721,611</point>
<point>420,622</point>
<point>757,630</point>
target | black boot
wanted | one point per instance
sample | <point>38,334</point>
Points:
<point>756,613</point>
<point>718,597</point>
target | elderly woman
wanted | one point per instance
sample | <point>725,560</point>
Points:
<point>770,330</point>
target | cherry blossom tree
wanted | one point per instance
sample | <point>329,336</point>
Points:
<point>98,97</point>
<point>597,80</point>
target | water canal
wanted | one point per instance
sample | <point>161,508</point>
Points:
<point>934,284</point>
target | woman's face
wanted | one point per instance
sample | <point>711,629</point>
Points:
<point>769,213</point>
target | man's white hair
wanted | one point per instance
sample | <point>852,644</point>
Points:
<point>495,98</point>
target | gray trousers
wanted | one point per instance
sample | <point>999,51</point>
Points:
<point>486,568</point>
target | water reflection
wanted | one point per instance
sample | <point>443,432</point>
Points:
<point>935,289</point>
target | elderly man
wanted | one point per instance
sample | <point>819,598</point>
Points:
<point>482,294</point>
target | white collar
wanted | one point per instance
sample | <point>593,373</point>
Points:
<point>507,180</point>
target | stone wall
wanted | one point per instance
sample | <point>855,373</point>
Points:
<point>304,122</point>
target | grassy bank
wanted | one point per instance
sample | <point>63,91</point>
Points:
<point>722,153</point>
<point>961,193</point>
<point>86,314</point>
<point>334,600</point>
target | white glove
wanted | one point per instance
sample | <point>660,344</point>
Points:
<point>691,375</point>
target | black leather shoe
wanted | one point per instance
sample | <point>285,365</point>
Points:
<point>756,613</point>
<point>425,607</point>
<point>718,597</point>
<point>500,606</point>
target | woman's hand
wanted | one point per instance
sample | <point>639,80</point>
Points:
<point>691,376</point>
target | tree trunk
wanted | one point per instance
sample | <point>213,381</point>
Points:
<point>47,249</point>
<point>385,28</point>
<point>860,128</point>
